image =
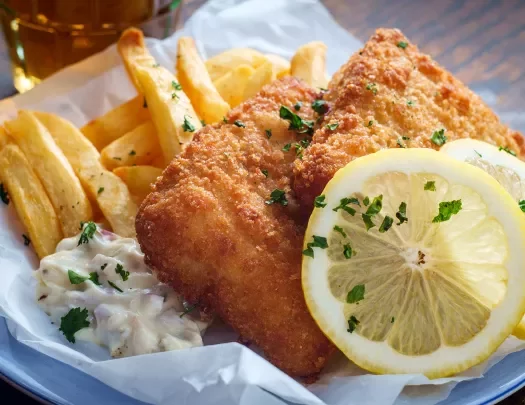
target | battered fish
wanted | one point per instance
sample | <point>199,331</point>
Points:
<point>389,95</point>
<point>217,231</point>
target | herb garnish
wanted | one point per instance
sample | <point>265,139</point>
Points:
<point>319,201</point>
<point>522,205</point>
<point>374,208</point>
<point>277,196</point>
<point>400,144</point>
<point>320,107</point>
<point>430,186</point>
<point>286,148</point>
<point>356,294</point>
<point>188,310</point>
<point>509,151</point>
<point>343,204</point>
<point>27,241</point>
<point>438,137</point>
<point>224,120</point>
<point>447,209</point>
<point>87,233</point>
<point>340,230</point>
<point>72,322</point>
<point>239,124</point>
<point>386,224</point>
<point>410,103</point>
<point>401,214</point>
<point>296,122</point>
<point>203,123</point>
<point>132,153</point>
<point>116,287</point>
<point>402,44</point>
<point>3,194</point>
<point>103,266</point>
<point>268,133</point>
<point>119,269</point>
<point>352,324</point>
<point>319,241</point>
<point>298,106</point>
<point>347,251</point>
<point>265,172</point>
<point>366,201</point>
<point>188,126</point>
<point>477,153</point>
<point>392,320</point>
<point>100,190</point>
<point>176,85</point>
<point>370,123</point>
<point>75,278</point>
<point>372,87</point>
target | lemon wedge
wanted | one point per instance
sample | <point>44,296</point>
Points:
<point>413,263</point>
<point>501,164</point>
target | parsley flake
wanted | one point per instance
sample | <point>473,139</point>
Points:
<point>87,233</point>
<point>239,124</point>
<point>347,251</point>
<point>392,320</point>
<point>296,122</point>
<point>286,148</point>
<point>268,133</point>
<point>119,269</point>
<point>265,172</point>
<point>176,85</point>
<point>75,278</point>
<point>72,322</point>
<point>386,224</point>
<point>319,201</point>
<point>401,214</point>
<point>477,153</point>
<point>400,144</point>
<point>343,204</point>
<point>3,194</point>
<point>505,149</point>
<point>366,201</point>
<point>522,205</point>
<point>188,310</point>
<point>438,137</point>
<point>446,210</point>
<point>203,123</point>
<point>430,186</point>
<point>188,126</point>
<point>224,120</point>
<point>372,87</point>
<point>100,190</point>
<point>93,277</point>
<point>277,196</point>
<point>298,106</point>
<point>340,230</point>
<point>27,241</point>
<point>410,103</point>
<point>370,123</point>
<point>356,294</point>
<point>103,266</point>
<point>116,287</point>
<point>367,219</point>
<point>352,324</point>
<point>374,208</point>
<point>402,44</point>
<point>320,107</point>
<point>319,241</point>
<point>174,96</point>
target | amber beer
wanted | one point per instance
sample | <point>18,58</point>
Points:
<point>44,36</point>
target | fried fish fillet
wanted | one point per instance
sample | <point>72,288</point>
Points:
<point>208,229</point>
<point>389,95</point>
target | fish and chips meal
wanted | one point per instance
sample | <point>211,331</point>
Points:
<point>379,213</point>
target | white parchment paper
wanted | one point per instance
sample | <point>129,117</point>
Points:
<point>222,371</point>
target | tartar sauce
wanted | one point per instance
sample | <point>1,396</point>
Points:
<point>100,278</point>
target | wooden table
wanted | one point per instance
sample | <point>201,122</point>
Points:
<point>480,41</point>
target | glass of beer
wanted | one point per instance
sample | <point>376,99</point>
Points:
<point>43,36</point>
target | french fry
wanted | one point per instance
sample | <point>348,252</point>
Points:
<point>30,200</point>
<point>4,138</point>
<point>170,109</point>
<point>196,82</point>
<point>309,64</point>
<point>110,193</point>
<point>138,179</point>
<point>231,86</point>
<point>263,75</point>
<point>54,171</point>
<point>221,64</point>
<point>117,122</point>
<point>281,66</point>
<point>138,147</point>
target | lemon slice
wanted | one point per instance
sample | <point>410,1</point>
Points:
<point>435,284</point>
<point>501,164</point>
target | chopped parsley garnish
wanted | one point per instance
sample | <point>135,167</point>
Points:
<point>188,126</point>
<point>370,123</point>
<point>119,269</point>
<point>340,230</point>
<point>3,194</point>
<point>401,214</point>
<point>188,310</point>
<point>319,241</point>
<point>477,153</point>
<point>296,122</point>
<point>347,251</point>
<point>87,233</point>
<point>174,96</point>
<point>373,209</point>
<point>366,201</point>
<point>103,266</point>
<point>239,124</point>
<point>430,186</point>
<point>224,120</point>
<point>400,144</point>
<point>319,201</point>
<point>298,106</point>
<point>176,85</point>
<point>392,320</point>
<point>356,294</point>
<point>447,209</point>
<point>286,148</point>
<point>100,190</point>
<point>402,44</point>
<point>410,103</point>
<point>132,153</point>
<point>367,219</point>
<point>116,287</point>
<point>93,276</point>
<point>352,324</point>
<point>75,278</point>
<point>265,172</point>
<point>509,151</point>
<point>27,241</point>
<point>320,107</point>
<point>438,137</point>
<point>203,123</point>
<point>386,224</point>
<point>372,87</point>
<point>300,146</point>
<point>405,138</point>
<point>268,133</point>
<point>145,104</point>
<point>277,196</point>
<point>343,204</point>
<point>72,322</point>
<point>522,205</point>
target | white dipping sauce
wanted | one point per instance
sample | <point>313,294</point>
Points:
<point>144,318</point>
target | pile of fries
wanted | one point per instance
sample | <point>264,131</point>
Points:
<point>59,176</point>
